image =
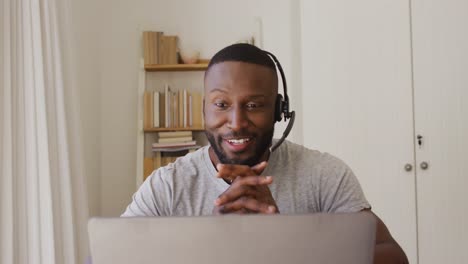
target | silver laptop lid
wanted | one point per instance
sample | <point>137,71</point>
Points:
<point>259,239</point>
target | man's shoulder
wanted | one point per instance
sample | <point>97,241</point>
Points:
<point>296,153</point>
<point>293,150</point>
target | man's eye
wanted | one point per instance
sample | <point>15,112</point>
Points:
<point>252,105</point>
<point>220,105</point>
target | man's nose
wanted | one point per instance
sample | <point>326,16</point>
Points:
<point>238,119</point>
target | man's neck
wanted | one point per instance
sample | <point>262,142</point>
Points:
<point>215,160</point>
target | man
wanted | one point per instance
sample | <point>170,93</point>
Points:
<point>237,173</point>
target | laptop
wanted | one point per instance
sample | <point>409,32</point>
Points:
<point>234,239</point>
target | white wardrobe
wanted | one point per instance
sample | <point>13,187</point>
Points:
<point>385,88</point>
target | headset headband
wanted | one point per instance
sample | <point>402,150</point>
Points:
<point>284,105</point>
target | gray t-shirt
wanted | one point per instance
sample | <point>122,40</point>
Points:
<point>304,181</point>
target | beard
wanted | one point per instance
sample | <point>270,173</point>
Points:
<point>261,145</point>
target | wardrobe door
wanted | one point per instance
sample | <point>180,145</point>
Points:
<point>440,43</point>
<point>357,100</point>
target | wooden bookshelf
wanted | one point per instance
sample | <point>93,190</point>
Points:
<point>176,67</point>
<point>166,129</point>
<point>160,60</point>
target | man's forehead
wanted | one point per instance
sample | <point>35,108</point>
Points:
<point>237,65</point>
<point>244,79</point>
<point>238,71</point>
<point>250,94</point>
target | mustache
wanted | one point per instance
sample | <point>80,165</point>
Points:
<point>238,134</point>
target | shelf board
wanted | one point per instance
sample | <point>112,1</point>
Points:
<point>176,67</point>
<point>166,129</point>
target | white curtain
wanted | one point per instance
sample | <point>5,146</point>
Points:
<point>42,191</point>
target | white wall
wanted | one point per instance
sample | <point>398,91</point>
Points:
<point>110,49</point>
<point>85,29</point>
<point>1,80</point>
<point>358,88</point>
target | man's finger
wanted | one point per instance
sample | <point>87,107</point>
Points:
<point>232,171</point>
<point>219,210</point>
<point>259,167</point>
<point>241,187</point>
<point>232,194</point>
<point>249,204</point>
<point>253,180</point>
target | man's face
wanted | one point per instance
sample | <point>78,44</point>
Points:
<point>239,111</point>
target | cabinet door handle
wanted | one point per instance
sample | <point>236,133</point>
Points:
<point>408,167</point>
<point>424,165</point>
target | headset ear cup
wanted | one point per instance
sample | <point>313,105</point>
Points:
<point>278,108</point>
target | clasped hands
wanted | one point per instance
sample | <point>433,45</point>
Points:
<point>248,193</point>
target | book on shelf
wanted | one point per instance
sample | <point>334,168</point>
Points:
<point>187,110</point>
<point>197,112</point>
<point>156,162</point>
<point>148,109</point>
<point>173,49</point>
<point>151,47</point>
<point>173,109</point>
<point>168,49</point>
<point>159,48</point>
<point>190,112</point>
<point>148,166</point>
<point>176,149</point>
<point>175,134</point>
<point>175,139</point>
<point>167,105</point>
<point>163,158</point>
<point>153,106</point>
<point>174,144</point>
<point>180,108</point>
<point>163,49</point>
<point>147,47</point>
<point>162,110</point>
<point>156,109</point>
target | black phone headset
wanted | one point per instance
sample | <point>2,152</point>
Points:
<point>282,105</point>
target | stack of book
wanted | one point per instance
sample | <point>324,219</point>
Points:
<point>173,109</point>
<point>160,159</point>
<point>175,142</point>
<point>159,49</point>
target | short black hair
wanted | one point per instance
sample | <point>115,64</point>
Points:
<point>242,52</point>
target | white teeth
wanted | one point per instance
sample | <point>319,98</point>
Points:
<point>239,141</point>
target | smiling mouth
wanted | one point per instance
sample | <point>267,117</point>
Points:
<point>238,145</point>
<point>238,141</point>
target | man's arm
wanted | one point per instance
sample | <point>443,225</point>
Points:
<point>153,197</point>
<point>387,249</point>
